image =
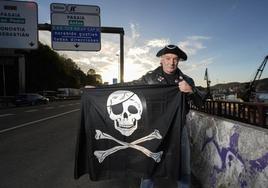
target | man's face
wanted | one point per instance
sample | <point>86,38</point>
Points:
<point>169,63</point>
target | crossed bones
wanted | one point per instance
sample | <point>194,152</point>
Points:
<point>102,154</point>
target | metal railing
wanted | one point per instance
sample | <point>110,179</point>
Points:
<point>247,112</point>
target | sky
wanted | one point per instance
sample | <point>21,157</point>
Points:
<point>228,37</point>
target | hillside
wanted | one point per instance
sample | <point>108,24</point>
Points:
<point>261,85</point>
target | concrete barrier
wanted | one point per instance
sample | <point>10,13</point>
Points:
<point>226,153</point>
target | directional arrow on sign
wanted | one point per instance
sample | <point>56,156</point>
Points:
<point>31,43</point>
<point>76,45</point>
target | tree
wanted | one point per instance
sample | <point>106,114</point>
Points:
<point>47,70</point>
<point>91,72</point>
<point>93,78</point>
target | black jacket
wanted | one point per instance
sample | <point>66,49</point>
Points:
<point>158,76</point>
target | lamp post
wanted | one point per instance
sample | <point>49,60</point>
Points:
<point>118,68</point>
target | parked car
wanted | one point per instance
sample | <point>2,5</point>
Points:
<point>51,95</point>
<point>30,99</point>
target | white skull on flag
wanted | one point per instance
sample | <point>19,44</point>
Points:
<point>125,109</point>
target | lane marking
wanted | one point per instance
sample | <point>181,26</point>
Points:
<point>4,115</point>
<point>34,110</point>
<point>37,121</point>
<point>48,108</point>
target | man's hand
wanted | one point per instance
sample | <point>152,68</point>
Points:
<point>185,87</point>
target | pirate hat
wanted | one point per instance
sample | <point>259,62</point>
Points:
<point>173,49</point>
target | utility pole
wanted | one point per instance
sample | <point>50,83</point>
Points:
<point>208,95</point>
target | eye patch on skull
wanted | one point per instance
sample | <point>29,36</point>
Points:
<point>118,109</point>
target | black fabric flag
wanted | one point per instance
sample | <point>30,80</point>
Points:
<point>130,131</point>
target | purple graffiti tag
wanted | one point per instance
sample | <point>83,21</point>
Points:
<point>259,164</point>
<point>251,167</point>
<point>233,149</point>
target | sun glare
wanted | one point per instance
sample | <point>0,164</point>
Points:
<point>132,72</point>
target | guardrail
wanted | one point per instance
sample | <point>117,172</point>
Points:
<point>247,112</point>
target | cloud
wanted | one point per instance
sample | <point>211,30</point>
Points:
<point>158,42</point>
<point>193,44</point>
<point>134,32</point>
<point>138,51</point>
<point>197,65</point>
<point>139,55</point>
<point>45,37</point>
<point>198,38</point>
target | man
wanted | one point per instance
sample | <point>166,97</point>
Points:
<point>169,73</point>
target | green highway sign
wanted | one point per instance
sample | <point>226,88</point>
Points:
<point>12,20</point>
<point>18,25</point>
<point>76,22</point>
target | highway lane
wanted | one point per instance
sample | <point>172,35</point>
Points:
<point>17,116</point>
<point>41,153</point>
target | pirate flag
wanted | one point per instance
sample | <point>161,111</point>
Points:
<point>130,131</point>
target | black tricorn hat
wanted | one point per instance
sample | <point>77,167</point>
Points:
<point>172,49</point>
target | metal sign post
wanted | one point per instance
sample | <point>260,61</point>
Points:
<point>18,25</point>
<point>75,27</point>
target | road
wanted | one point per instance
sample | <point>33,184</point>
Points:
<point>37,148</point>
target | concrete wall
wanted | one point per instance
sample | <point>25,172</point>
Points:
<point>226,153</point>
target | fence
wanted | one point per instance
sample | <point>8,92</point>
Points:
<point>251,113</point>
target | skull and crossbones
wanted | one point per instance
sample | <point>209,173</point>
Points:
<point>125,109</point>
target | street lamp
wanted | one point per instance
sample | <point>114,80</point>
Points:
<point>118,73</point>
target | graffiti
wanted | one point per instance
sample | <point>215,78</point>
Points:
<point>232,164</point>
